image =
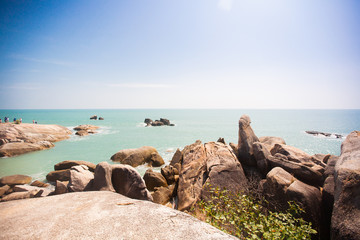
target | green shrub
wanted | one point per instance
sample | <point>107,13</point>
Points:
<point>244,217</point>
<point>17,121</point>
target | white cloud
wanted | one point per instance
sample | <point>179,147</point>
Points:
<point>140,85</point>
<point>225,4</point>
<point>48,61</point>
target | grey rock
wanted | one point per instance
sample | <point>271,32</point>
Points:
<point>102,178</point>
<point>80,178</point>
<point>99,215</point>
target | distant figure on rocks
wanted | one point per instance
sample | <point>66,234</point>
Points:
<point>33,121</point>
<point>0,120</point>
<point>20,120</point>
<point>14,120</point>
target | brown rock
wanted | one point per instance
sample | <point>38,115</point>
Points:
<point>18,148</point>
<point>345,222</point>
<point>163,195</point>
<point>70,163</point>
<point>80,178</point>
<point>85,127</point>
<point>246,139</point>
<point>127,181</point>
<point>169,172</point>
<point>4,189</point>
<point>61,175</point>
<point>154,179</point>
<point>61,187</point>
<point>21,195</point>
<point>139,156</point>
<point>261,155</point>
<point>38,183</point>
<point>177,158</point>
<point>102,178</point>
<point>82,133</point>
<point>270,142</point>
<point>27,188</point>
<point>15,180</point>
<point>234,147</point>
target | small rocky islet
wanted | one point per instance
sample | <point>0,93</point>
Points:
<point>326,186</point>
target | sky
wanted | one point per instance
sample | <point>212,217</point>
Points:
<point>257,54</point>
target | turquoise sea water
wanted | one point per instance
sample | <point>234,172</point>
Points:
<point>123,129</point>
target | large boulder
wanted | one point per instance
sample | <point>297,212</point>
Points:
<point>27,188</point>
<point>177,158</point>
<point>61,187</point>
<point>139,156</point>
<point>154,179</point>
<point>261,155</point>
<point>21,195</point>
<point>302,172</point>
<point>23,138</point>
<point>345,222</point>
<point>127,181</point>
<point>70,163</point>
<point>102,178</point>
<point>280,186</point>
<point>246,139</point>
<point>270,142</point>
<point>163,195</point>
<point>4,189</point>
<point>212,164</point>
<point>99,215</point>
<point>170,173</point>
<point>80,179</point>
<point>60,175</point>
<point>15,180</point>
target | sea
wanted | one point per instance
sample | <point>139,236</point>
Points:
<point>125,128</point>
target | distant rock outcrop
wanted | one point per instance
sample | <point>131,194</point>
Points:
<point>22,138</point>
<point>317,133</point>
<point>156,123</point>
<point>84,130</point>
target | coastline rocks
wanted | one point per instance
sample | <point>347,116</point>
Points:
<point>23,138</point>
<point>261,155</point>
<point>60,175</point>
<point>292,153</point>
<point>93,117</point>
<point>170,173</point>
<point>154,179</point>
<point>127,181</point>
<point>317,133</point>
<point>80,179</point>
<point>177,158</point>
<point>163,195</point>
<point>211,164</point>
<point>345,222</point>
<point>21,195</point>
<point>4,189</point>
<point>15,180</point>
<point>246,139</point>
<point>139,156</point>
<point>101,118</point>
<point>84,130</point>
<point>70,163</point>
<point>38,183</point>
<point>99,215</point>
<point>26,188</point>
<point>61,187</point>
<point>281,186</point>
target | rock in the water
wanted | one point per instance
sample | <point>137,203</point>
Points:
<point>246,139</point>
<point>170,173</point>
<point>70,163</point>
<point>211,164</point>
<point>163,194</point>
<point>38,183</point>
<point>165,121</point>
<point>345,222</point>
<point>101,118</point>
<point>139,156</point>
<point>23,138</point>
<point>82,133</point>
<point>270,142</point>
<point>80,178</point>
<point>61,175</point>
<point>157,123</point>
<point>154,179</point>
<point>317,133</point>
<point>99,215</point>
<point>93,117</point>
<point>148,121</point>
<point>102,178</point>
<point>61,187</point>
<point>281,186</point>
<point>86,127</point>
<point>127,181</point>
<point>15,180</point>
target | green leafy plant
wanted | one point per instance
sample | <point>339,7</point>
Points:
<point>246,218</point>
<point>17,121</point>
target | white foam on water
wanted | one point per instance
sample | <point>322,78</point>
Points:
<point>141,124</point>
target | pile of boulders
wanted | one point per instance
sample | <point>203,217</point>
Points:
<point>95,117</point>
<point>156,123</point>
<point>139,156</point>
<point>84,130</point>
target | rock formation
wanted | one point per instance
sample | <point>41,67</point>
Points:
<point>246,139</point>
<point>84,130</point>
<point>345,222</point>
<point>156,123</point>
<point>139,156</point>
<point>317,133</point>
<point>23,138</point>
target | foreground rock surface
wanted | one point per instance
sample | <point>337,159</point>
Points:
<point>23,138</point>
<point>99,215</point>
<point>345,222</point>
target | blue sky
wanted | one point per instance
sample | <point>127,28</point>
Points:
<point>180,54</point>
